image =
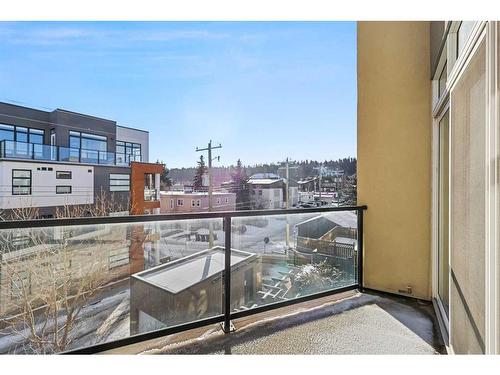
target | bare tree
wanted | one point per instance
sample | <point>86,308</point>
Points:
<point>53,273</point>
<point>48,290</point>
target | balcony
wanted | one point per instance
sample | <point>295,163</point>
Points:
<point>41,152</point>
<point>93,284</point>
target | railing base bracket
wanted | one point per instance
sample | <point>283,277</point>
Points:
<point>232,328</point>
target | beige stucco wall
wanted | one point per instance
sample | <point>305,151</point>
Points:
<point>394,154</point>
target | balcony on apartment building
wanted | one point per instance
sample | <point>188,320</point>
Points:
<point>260,282</point>
<point>42,152</point>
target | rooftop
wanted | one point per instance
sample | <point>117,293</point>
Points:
<point>181,274</point>
<point>197,193</point>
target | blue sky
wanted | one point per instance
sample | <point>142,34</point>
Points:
<point>265,90</point>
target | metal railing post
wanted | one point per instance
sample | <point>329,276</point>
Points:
<point>360,249</point>
<point>227,325</point>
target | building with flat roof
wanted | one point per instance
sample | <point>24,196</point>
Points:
<point>190,288</point>
<point>266,191</point>
<point>63,158</point>
<point>195,201</point>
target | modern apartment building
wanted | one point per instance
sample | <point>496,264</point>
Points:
<point>428,164</point>
<point>63,159</point>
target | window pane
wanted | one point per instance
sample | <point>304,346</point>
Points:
<point>6,127</point>
<point>63,189</point>
<point>6,135</point>
<point>119,176</point>
<point>74,142</point>
<point>468,184</point>
<point>36,131</point>
<point>63,175</point>
<point>21,190</point>
<point>119,182</point>
<point>92,144</point>
<point>36,138</point>
<point>119,188</point>
<point>21,173</point>
<point>94,136</point>
<point>21,182</point>
<point>21,137</point>
<point>463,34</point>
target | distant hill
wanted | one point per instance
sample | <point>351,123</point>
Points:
<point>306,169</point>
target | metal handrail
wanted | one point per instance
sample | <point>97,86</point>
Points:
<point>37,223</point>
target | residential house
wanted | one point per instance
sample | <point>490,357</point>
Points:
<point>195,201</point>
<point>266,191</point>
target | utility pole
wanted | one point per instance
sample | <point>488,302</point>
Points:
<point>209,148</point>
<point>320,175</point>
<point>287,197</point>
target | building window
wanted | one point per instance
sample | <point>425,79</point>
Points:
<point>36,136</point>
<point>171,203</point>
<point>193,202</point>
<point>21,134</point>
<point>198,203</point>
<point>127,152</point>
<point>119,182</point>
<point>21,182</point>
<point>260,192</point>
<point>180,202</point>
<point>63,175</point>
<point>63,189</point>
<point>463,33</point>
<point>86,141</point>
<point>218,200</point>
<point>227,200</point>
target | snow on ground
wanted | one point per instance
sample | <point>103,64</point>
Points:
<point>105,318</point>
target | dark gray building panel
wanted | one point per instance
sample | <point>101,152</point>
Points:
<point>16,115</point>
<point>66,121</point>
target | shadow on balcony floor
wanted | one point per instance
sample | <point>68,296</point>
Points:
<point>361,324</point>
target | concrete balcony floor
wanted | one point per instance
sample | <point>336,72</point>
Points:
<point>348,323</point>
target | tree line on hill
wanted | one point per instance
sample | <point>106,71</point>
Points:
<point>306,168</point>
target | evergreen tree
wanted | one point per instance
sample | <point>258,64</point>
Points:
<point>239,186</point>
<point>165,180</point>
<point>201,169</point>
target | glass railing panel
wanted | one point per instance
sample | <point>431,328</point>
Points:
<point>44,152</point>
<point>89,156</point>
<point>18,150</point>
<point>122,159</point>
<point>291,256</point>
<point>67,154</point>
<point>107,158</point>
<point>106,282</point>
